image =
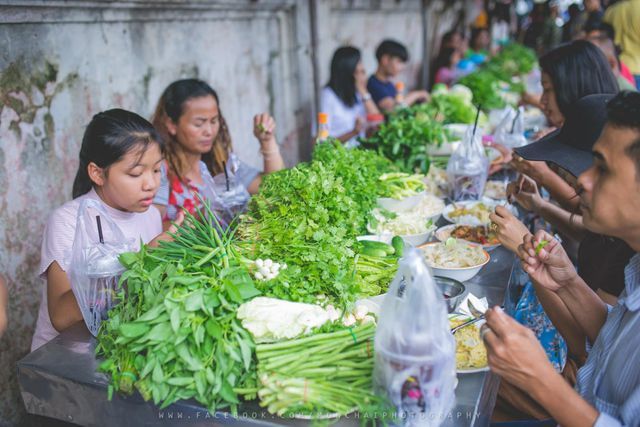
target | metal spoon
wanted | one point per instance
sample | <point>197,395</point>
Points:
<point>477,314</point>
<point>474,311</point>
<point>467,323</point>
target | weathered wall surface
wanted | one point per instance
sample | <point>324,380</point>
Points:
<point>359,24</point>
<point>63,61</point>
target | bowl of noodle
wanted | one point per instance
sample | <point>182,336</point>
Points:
<point>455,258</point>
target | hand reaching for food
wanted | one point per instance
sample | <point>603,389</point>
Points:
<point>525,192</point>
<point>513,351</point>
<point>509,229</point>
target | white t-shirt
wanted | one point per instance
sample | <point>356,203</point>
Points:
<point>342,118</point>
<point>58,241</point>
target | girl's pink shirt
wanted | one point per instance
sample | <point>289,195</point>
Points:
<point>58,241</point>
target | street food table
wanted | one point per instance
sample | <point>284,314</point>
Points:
<point>59,380</point>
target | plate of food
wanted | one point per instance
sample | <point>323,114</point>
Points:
<point>471,354</point>
<point>496,190</point>
<point>455,258</point>
<point>471,212</point>
<point>478,234</point>
<point>412,218</point>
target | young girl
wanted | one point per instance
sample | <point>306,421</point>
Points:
<point>345,98</point>
<point>189,118</point>
<point>120,162</point>
<point>446,66</point>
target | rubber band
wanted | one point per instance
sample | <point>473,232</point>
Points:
<point>369,348</point>
<point>130,375</point>
<point>353,335</point>
<point>304,393</point>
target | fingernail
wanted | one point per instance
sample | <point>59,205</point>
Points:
<point>499,309</point>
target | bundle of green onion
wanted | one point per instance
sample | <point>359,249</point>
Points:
<point>328,373</point>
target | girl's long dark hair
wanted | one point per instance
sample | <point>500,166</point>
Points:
<point>578,69</point>
<point>108,137</point>
<point>442,60</point>
<point>342,80</point>
<point>171,105</point>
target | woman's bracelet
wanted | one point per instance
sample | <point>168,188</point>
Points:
<point>268,154</point>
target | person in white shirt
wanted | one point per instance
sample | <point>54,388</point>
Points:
<point>345,98</point>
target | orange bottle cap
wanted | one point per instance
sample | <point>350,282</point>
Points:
<point>399,86</point>
<point>323,118</point>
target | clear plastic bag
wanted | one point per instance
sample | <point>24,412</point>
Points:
<point>415,351</point>
<point>510,130</point>
<point>468,168</point>
<point>230,197</point>
<point>94,268</point>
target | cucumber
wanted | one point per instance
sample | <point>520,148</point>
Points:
<point>398,244</point>
<point>373,252</point>
<point>390,250</point>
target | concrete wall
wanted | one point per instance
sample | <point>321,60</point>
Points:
<point>63,61</point>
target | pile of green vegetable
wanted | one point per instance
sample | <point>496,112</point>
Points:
<point>308,217</point>
<point>455,104</point>
<point>359,170</point>
<point>486,89</point>
<point>175,335</point>
<point>328,373</point>
<point>515,60</point>
<point>406,136</point>
<point>376,265</point>
<point>504,69</point>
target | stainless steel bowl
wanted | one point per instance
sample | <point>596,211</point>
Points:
<point>452,290</point>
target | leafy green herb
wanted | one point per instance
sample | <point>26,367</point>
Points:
<point>308,217</point>
<point>175,334</point>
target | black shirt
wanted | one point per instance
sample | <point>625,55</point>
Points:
<point>601,262</point>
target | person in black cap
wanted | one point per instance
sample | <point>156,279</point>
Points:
<point>572,141</point>
<point>607,392</point>
<point>569,73</point>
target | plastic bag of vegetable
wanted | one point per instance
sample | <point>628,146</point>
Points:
<point>468,168</point>
<point>415,355</point>
<point>510,130</point>
<point>230,196</point>
<point>95,269</point>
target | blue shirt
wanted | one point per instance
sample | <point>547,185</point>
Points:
<point>610,380</point>
<point>380,90</point>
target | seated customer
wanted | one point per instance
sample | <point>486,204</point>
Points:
<point>479,44</point>
<point>568,73</point>
<point>608,385</point>
<point>392,57</point>
<point>453,39</point>
<point>345,98</point>
<point>609,49</point>
<point>446,66</point>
